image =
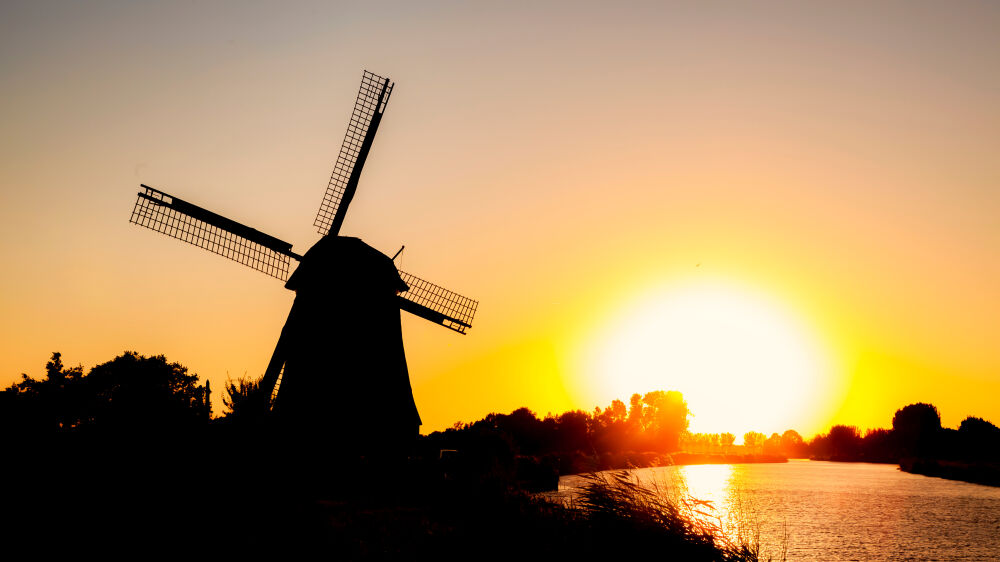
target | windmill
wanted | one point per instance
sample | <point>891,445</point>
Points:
<point>342,338</point>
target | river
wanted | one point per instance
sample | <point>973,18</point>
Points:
<point>811,510</point>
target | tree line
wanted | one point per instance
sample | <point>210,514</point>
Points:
<point>128,394</point>
<point>916,432</point>
<point>132,392</point>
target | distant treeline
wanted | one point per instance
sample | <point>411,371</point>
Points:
<point>647,432</point>
<point>653,422</point>
<point>653,429</point>
<point>916,433</point>
<point>149,394</point>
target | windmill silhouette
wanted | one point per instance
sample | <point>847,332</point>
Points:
<point>341,346</point>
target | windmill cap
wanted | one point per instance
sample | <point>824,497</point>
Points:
<point>346,262</point>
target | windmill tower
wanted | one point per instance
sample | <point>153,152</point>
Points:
<point>341,346</point>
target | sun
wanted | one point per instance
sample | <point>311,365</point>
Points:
<point>742,360</point>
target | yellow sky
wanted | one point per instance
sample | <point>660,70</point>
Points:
<point>558,163</point>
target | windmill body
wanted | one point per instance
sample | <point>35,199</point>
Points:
<point>341,349</point>
<point>344,351</point>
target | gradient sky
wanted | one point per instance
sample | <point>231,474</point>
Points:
<point>560,162</point>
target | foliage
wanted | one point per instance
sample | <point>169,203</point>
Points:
<point>979,439</point>
<point>916,427</point>
<point>916,432</point>
<point>753,441</point>
<point>726,440</point>
<point>845,441</point>
<point>129,393</point>
<point>133,389</point>
<point>792,444</point>
<point>241,399</point>
<point>653,422</point>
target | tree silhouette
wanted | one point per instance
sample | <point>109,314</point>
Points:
<point>133,391</point>
<point>130,393</point>
<point>242,400</point>
<point>844,442</point>
<point>980,439</point>
<point>916,428</point>
<point>573,428</point>
<point>879,445</point>
<point>525,429</point>
<point>48,405</point>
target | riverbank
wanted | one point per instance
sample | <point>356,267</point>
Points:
<point>578,463</point>
<point>540,474</point>
<point>984,473</point>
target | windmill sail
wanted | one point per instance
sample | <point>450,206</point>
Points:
<point>367,313</point>
<point>179,219</point>
<point>437,304</point>
<point>372,99</point>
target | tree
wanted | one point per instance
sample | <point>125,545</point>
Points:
<point>665,417</point>
<point>572,431</point>
<point>130,393</point>
<point>134,392</point>
<point>616,412</point>
<point>916,428</point>
<point>772,446</point>
<point>980,439</point>
<point>526,431</point>
<point>844,442</point>
<point>753,440</point>
<point>819,446</point>
<point>635,415</point>
<point>878,445</point>
<point>242,400</point>
<point>51,404</point>
<point>980,428</point>
<point>610,427</point>
<point>792,444</point>
<point>727,440</point>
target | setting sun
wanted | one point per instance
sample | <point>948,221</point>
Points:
<point>741,359</point>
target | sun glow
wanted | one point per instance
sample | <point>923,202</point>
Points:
<point>742,360</point>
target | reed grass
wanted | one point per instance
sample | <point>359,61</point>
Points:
<point>662,519</point>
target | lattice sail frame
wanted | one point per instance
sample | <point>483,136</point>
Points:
<point>371,101</point>
<point>457,311</point>
<point>189,223</point>
<point>179,219</point>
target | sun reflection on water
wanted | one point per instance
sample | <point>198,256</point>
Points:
<point>715,495</point>
<point>827,511</point>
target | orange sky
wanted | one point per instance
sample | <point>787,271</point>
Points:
<point>561,164</point>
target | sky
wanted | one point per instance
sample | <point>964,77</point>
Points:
<point>787,211</point>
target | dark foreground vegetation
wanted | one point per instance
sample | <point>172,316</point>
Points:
<point>223,496</point>
<point>127,460</point>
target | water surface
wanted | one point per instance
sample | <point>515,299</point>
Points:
<point>839,511</point>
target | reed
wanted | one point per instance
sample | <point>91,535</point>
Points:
<point>654,518</point>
